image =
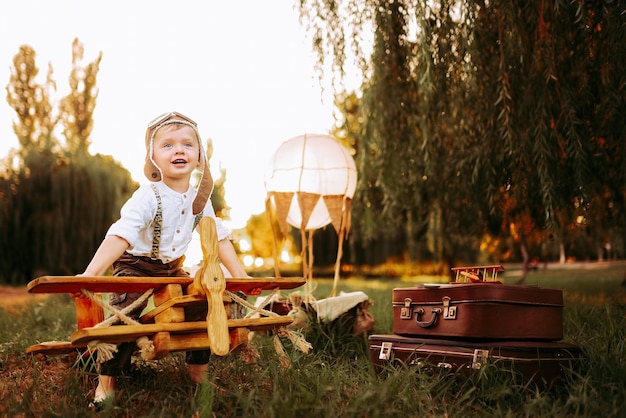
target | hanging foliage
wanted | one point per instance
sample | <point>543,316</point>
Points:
<point>466,104</point>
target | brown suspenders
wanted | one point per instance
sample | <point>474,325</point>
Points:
<point>158,220</point>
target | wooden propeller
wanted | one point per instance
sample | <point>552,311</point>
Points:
<point>210,278</point>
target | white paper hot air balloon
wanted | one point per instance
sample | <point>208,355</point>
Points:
<point>310,183</point>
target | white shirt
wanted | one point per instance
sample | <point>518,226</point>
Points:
<point>137,221</point>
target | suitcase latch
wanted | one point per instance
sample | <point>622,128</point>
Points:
<point>449,312</point>
<point>405,311</point>
<point>480,358</point>
<point>385,351</point>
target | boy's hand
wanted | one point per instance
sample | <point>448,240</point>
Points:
<point>254,292</point>
<point>79,294</point>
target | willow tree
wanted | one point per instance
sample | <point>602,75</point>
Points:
<point>552,127</point>
<point>56,200</point>
<point>412,120</point>
<point>389,156</point>
<point>508,116</point>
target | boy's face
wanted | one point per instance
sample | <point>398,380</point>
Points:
<point>176,151</point>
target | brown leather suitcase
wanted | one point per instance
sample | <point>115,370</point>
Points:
<point>539,362</point>
<point>478,311</point>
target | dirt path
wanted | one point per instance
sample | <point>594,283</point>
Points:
<point>13,299</point>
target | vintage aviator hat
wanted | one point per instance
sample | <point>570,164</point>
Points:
<point>153,172</point>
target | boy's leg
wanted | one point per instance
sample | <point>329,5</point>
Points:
<point>198,372</point>
<point>106,386</point>
<point>108,370</point>
<point>198,362</point>
<point>121,360</point>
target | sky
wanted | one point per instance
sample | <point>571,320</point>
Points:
<point>243,70</point>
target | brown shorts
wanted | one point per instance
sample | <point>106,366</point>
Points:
<point>132,266</point>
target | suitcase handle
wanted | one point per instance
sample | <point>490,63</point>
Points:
<point>433,320</point>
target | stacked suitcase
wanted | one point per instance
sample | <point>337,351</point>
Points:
<point>477,320</point>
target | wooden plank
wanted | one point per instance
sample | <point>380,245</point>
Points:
<point>125,333</point>
<point>88,313</point>
<point>264,283</point>
<point>54,348</point>
<point>190,342</point>
<point>260,324</point>
<point>164,295</point>
<point>161,342</point>
<point>70,284</point>
<point>238,336</point>
<point>197,341</point>
<point>181,302</point>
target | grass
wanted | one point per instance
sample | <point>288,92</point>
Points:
<point>337,378</point>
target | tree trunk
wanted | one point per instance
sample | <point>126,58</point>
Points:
<point>524,251</point>
<point>410,239</point>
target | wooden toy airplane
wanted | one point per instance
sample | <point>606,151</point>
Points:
<point>175,299</point>
<point>477,274</point>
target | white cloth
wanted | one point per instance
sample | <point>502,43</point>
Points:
<point>137,217</point>
<point>332,308</point>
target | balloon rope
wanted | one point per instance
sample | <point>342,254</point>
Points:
<point>342,231</point>
<point>303,253</point>
<point>310,246</point>
<point>268,210</point>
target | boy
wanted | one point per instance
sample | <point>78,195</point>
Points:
<point>155,229</point>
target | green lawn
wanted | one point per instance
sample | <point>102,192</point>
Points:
<point>337,377</point>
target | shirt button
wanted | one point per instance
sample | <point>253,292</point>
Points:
<point>173,249</point>
<point>178,231</point>
<point>182,212</point>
